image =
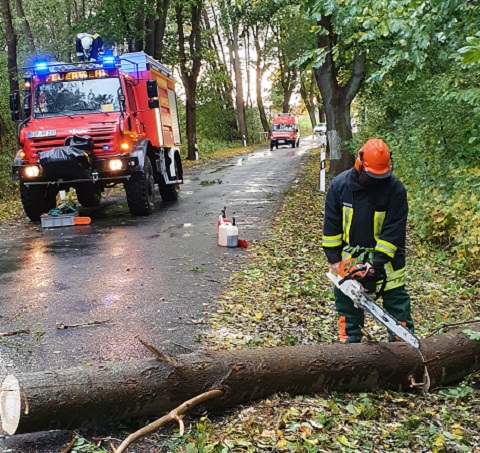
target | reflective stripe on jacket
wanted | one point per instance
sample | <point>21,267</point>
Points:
<point>367,217</point>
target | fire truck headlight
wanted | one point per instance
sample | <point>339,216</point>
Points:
<point>125,146</point>
<point>32,171</point>
<point>115,164</point>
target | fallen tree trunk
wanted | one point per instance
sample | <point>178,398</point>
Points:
<point>98,394</point>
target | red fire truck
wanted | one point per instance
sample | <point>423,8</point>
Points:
<point>90,126</point>
<point>285,131</point>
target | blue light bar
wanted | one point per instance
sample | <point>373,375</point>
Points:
<point>109,61</point>
<point>41,67</point>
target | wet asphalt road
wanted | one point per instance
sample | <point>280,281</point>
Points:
<point>155,277</point>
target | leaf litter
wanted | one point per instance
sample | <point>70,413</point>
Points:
<point>283,298</point>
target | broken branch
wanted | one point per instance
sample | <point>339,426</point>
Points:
<point>14,332</point>
<point>61,326</point>
<point>174,415</point>
<point>161,356</point>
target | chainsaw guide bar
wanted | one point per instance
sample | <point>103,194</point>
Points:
<point>355,291</point>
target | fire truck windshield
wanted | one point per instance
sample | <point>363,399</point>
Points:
<point>283,127</point>
<point>76,96</point>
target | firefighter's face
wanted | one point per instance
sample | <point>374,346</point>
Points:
<point>364,179</point>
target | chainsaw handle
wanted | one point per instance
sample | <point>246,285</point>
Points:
<point>350,275</point>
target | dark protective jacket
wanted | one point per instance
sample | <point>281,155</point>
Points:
<point>93,53</point>
<point>367,218</point>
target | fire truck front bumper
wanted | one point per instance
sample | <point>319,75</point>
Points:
<point>110,169</point>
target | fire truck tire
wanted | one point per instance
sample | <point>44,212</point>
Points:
<point>168,192</point>
<point>88,195</point>
<point>37,200</point>
<point>140,191</point>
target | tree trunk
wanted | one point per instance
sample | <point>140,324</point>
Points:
<point>307,96</point>
<point>140,23</point>
<point>100,394</point>
<point>26,25</point>
<point>241,113</point>
<point>311,113</point>
<point>225,89</point>
<point>150,30</point>
<point>11,40</point>
<point>160,26</point>
<point>337,100</point>
<point>259,71</point>
<point>321,114</point>
<point>191,120</point>
<point>190,75</point>
<point>261,107</point>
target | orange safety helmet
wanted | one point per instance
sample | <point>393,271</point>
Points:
<point>374,158</point>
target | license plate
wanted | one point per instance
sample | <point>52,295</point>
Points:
<point>49,133</point>
<point>281,141</point>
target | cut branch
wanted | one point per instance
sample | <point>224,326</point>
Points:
<point>159,354</point>
<point>14,332</point>
<point>175,415</point>
<point>61,326</point>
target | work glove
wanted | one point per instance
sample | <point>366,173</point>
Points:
<point>373,274</point>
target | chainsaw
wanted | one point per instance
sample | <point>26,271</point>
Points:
<point>347,281</point>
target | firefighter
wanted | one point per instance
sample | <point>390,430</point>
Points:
<point>365,218</point>
<point>88,46</point>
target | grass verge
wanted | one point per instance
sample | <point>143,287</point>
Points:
<point>283,298</point>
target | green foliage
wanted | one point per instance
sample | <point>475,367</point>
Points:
<point>431,123</point>
<point>471,53</point>
<point>7,185</point>
<point>472,334</point>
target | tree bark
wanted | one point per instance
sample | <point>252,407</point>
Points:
<point>239,97</point>
<point>225,88</point>
<point>337,99</point>
<point>99,394</point>
<point>155,29</point>
<point>306,91</point>
<point>188,74</point>
<point>140,22</point>
<point>11,40</point>
<point>259,71</point>
<point>321,114</point>
<point>26,26</point>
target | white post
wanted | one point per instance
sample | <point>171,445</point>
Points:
<point>322,169</point>
<point>244,141</point>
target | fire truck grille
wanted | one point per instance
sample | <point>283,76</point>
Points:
<point>102,142</point>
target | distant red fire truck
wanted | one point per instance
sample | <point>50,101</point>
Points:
<point>89,126</point>
<point>285,131</point>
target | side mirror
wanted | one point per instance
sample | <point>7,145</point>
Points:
<point>121,100</point>
<point>153,104</point>
<point>296,130</point>
<point>14,101</point>
<point>152,89</point>
<point>27,110</point>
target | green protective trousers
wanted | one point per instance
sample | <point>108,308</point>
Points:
<point>351,319</point>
